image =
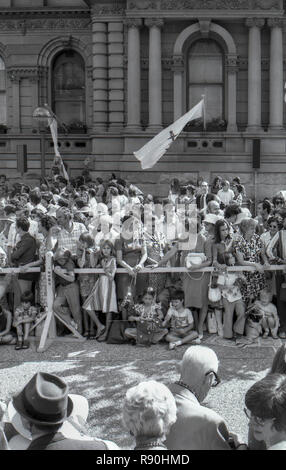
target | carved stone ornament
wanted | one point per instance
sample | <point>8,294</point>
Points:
<point>257,22</point>
<point>15,74</point>
<point>133,22</point>
<point>46,23</point>
<point>106,10</point>
<point>275,22</point>
<point>143,4</point>
<point>232,64</point>
<point>221,5</point>
<point>178,63</point>
<point>158,22</point>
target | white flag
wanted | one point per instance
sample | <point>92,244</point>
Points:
<point>151,152</point>
<point>54,131</point>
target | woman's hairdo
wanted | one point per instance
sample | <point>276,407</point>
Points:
<point>149,410</point>
<point>246,224</point>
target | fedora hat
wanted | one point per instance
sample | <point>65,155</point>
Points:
<point>44,400</point>
<point>73,427</point>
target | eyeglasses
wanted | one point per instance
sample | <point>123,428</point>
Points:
<point>216,380</point>
<point>259,421</point>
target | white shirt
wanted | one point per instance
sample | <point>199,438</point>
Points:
<point>226,196</point>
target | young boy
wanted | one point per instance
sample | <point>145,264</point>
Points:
<point>270,320</point>
<point>182,323</point>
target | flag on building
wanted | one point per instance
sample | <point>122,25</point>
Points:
<point>151,152</point>
<point>54,131</point>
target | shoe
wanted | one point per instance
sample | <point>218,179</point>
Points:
<point>172,346</point>
<point>18,344</point>
<point>265,334</point>
<point>100,333</point>
<point>201,336</point>
<point>282,335</point>
<point>25,344</point>
<point>196,341</point>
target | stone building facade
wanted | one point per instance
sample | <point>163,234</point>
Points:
<point>116,72</point>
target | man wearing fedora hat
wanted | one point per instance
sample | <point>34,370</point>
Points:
<point>44,405</point>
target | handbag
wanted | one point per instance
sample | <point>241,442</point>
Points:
<point>211,322</point>
<point>195,259</point>
<point>214,293</point>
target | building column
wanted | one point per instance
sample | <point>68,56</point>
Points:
<point>254,73</point>
<point>155,73</point>
<point>276,74</point>
<point>116,76</point>
<point>133,75</point>
<point>231,94</point>
<point>15,80</point>
<point>178,69</point>
<point>100,75</point>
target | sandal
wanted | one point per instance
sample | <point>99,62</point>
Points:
<point>100,333</point>
<point>91,337</point>
<point>19,344</point>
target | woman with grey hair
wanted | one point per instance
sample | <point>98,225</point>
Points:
<point>149,411</point>
<point>248,250</point>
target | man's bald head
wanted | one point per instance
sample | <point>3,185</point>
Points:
<point>197,362</point>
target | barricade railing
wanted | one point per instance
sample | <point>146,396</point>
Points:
<point>49,329</point>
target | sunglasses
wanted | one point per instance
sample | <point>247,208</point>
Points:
<point>216,380</point>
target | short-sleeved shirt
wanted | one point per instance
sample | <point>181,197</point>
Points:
<point>180,320</point>
<point>68,240</point>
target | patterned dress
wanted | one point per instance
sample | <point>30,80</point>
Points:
<point>103,295</point>
<point>251,251</point>
<point>155,250</point>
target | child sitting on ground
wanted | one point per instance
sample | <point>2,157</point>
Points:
<point>147,316</point>
<point>270,320</point>
<point>182,323</point>
<point>24,316</point>
<point>6,337</point>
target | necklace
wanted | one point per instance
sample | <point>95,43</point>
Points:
<point>182,384</point>
<point>146,444</point>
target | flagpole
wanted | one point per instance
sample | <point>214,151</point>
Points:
<point>204,113</point>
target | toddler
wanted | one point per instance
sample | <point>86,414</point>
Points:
<point>270,320</point>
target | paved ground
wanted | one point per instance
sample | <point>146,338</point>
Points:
<point>103,372</point>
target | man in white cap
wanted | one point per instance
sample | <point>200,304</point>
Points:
<point>198,427</point>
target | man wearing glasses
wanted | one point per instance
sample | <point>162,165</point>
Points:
<point>198,427</point>
<point>266,411</point>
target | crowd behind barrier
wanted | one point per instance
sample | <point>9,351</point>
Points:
<point>128,267</point>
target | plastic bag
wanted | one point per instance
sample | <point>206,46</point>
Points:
<point>211,322</point>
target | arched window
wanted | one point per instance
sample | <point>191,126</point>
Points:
<point>3,103</point>
<point>68,89</point>
<point>206,77</point>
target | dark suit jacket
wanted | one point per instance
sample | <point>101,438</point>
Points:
<point>59,442</point>
<point>199,200</point>
<point>197,427</point>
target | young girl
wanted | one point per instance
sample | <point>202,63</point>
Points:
<point>232,301</point>
<point>147,312</point>
<point>270,320</point>
<point>103,295</point>
<point>182,323</point>
<point>24,316</point>
<point>87,257</point>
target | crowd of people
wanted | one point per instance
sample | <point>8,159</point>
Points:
<point>45,416</point>
<point>113,224</point>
